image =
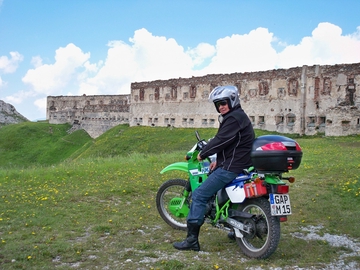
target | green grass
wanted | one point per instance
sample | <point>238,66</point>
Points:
<point>93,205</point>
<point>32,143</point>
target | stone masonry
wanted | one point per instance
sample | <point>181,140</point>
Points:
<point>94,114</point>
<point>303,100</point>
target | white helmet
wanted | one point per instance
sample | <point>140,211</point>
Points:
<point>229,93</point>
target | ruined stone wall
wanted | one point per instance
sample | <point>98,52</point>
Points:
<point>302,100</point>
<point>296,100</point>
<point>94,114</point>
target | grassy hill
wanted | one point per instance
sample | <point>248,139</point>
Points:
<point>31,143</point>
<point>41,143</point>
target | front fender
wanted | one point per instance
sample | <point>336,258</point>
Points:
<point>179,166</point>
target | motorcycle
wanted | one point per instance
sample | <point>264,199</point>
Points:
<point>251,206</point>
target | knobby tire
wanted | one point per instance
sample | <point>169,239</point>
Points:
<point>167,191</point>
<point>268,228</point>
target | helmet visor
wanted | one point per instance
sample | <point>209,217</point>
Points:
<point>220,103</point>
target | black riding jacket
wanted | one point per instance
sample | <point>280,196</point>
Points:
<point>233,142</point>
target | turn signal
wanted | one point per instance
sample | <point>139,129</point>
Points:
<point>291,179</point>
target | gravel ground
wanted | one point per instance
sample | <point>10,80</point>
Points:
<point>312,233</point>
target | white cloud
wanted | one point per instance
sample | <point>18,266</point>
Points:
<point>19,97</point>
<point>326,46</point>
<point>116,70</point>
<point>201,53</point>
<point>36,61</point>
<point>159,58</point>
<point>10,65</point>
<point>53,78</point>
<point>147,58</point>
<point>243,53</point>
<point>41,103</point>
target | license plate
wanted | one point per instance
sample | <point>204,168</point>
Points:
<point>280,204</point>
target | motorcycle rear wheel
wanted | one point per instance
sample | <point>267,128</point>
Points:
<point>264,237</point>
<point>169,190</point>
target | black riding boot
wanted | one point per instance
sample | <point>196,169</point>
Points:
<point>191,242</point>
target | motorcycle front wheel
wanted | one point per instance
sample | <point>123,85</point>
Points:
<point>264,235</point>
<point>170,195</point>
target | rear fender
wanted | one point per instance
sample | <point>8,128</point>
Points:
<point>177,166</point>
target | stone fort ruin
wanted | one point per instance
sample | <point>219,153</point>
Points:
<point>303,100</point>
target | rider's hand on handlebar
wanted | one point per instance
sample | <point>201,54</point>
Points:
<point>199,158</point>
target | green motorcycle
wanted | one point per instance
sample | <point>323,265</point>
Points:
<point>251,206</point>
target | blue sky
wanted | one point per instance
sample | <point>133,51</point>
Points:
<point>75,47</point>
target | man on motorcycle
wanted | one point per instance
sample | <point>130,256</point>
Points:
<point>232,144</point>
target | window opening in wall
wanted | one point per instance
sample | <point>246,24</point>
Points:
<point>192,91</point>
<point>252,119</point>
<point>322,121</point>
<point>191,121</point>
<point>166,121</point>
<point>157,93</point>
<point>358,121</point>
<point>261,120</point>
<point>172,120</point>
<point>204,121</point>
<point>142,94</point>
<point>293,87</point>
<point>327,86</point>
<point>263,88</point>
<point>279,119</point>
<point>184,120</point>
<point>291,118</point>
<point>311,121</point>
<point>212,121</point>
<point>156,120</point>
<point>174,92</point>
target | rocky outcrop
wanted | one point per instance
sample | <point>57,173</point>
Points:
<point>9,115</point>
